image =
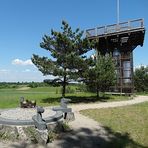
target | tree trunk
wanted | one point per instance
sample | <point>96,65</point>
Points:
<point>97,91</point>
<point>64,86</point>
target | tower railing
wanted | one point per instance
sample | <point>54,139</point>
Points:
<point>129,25</point>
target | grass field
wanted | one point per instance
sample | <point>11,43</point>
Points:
<point>10,97</point>
<point>46,96</point>
<point>128,124</point>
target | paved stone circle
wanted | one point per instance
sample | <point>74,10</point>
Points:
<point>24,113</point>
<point>23,116</point>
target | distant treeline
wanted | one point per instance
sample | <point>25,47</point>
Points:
<point>4,85</point>
<point>18,84</point>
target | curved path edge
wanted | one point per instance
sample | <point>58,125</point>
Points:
<point>135,100</point>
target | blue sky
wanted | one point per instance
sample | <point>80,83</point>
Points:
<point>24,22</point>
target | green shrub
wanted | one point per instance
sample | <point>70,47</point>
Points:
<point>70,90</point>
<point>33,85</point>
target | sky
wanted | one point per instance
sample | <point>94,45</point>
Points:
<point>23,23</point>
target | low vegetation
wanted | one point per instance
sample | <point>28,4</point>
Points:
<point>128,124</point>
<point>10,133</point>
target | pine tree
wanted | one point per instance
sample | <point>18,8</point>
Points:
<point>66,60</point>
<point>141,79</point>
<point>101,75</point>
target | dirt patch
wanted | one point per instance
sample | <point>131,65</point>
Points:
<point>23,88</point>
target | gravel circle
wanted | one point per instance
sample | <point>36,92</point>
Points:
<point>24,113</point>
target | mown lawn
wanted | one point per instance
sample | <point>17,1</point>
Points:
<point>128,124</point>
<point>45,96</point>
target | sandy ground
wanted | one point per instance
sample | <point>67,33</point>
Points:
<point>23,88</point>
<point>86,133</point>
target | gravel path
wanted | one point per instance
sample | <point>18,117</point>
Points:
<point>86,133</point>
<point>136,100</point>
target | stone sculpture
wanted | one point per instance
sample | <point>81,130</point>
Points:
<point>26,103</point>
<point>40,124</point>
<point>68,114</point>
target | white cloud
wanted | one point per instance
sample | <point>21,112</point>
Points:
<point>21,62</point>
<point>26,75</point>
<point>27,70</point>
<point>138,66</point>
<point>4,71</point>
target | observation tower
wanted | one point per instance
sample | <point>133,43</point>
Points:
<point>120,40</point>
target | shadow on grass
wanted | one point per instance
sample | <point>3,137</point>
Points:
<point>76,99</point>
<point>87,138</point>
<point>121,140</point>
